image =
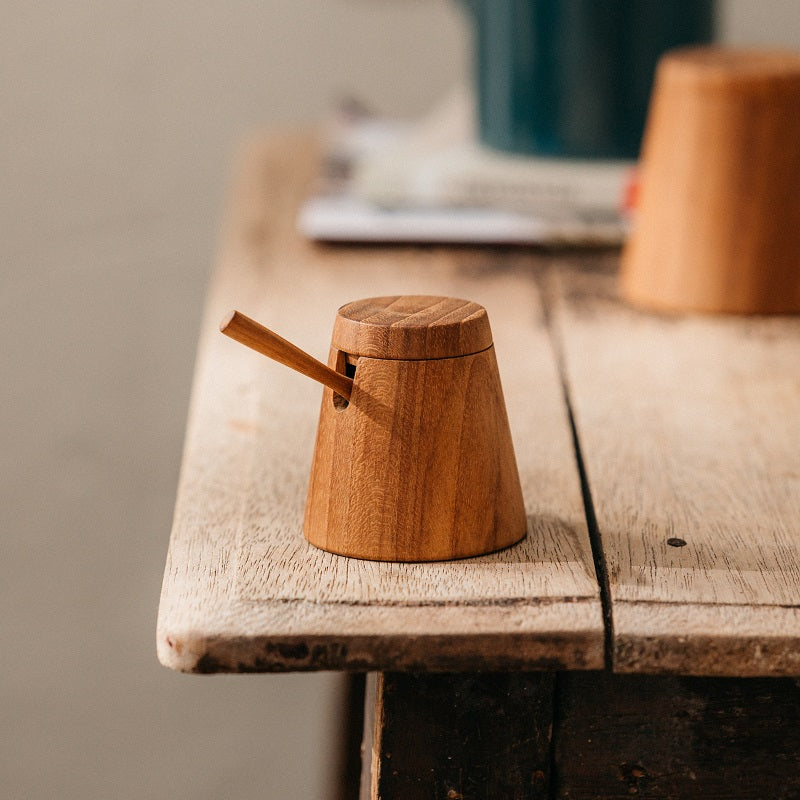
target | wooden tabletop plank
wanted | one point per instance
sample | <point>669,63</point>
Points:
<point>689,427</point>
<point>243,590</point>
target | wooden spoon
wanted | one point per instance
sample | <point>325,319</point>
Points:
<point>250,333</point>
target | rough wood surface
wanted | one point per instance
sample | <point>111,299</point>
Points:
<point>690,432</point>
<point>455,737</point>
<point>419,466</point>
<point>243,590</point>
<point>623,736</point>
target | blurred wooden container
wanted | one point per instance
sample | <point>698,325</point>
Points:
<point>718,218</point>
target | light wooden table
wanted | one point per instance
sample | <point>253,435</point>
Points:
<point>642,640</point>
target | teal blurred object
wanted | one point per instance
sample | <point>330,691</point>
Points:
<point>572,78</point>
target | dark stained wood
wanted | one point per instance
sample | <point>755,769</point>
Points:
<point>475,736</point>
<point>623,736</point>
<point>488,735</point>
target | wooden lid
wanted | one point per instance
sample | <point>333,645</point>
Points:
<point>412,327</point>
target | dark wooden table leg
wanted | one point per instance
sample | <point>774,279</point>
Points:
<point>465,736</point>
<point>623,736</point>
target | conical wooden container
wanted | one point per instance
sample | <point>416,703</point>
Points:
<point>718,222</point>
<point>419,464</point>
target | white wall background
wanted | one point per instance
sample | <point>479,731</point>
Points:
<point>118,121</point>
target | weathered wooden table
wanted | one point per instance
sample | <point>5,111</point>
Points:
<point>642,640</point>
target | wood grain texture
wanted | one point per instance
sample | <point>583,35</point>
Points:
<point>454,737</point>
<point>689,428</point>
<point>718,222</point>
<point>623,736</point>
<point>419,466</point>
<point>410,327</point>
<point>243,590</point>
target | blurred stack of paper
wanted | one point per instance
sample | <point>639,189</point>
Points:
<point>431,182</point>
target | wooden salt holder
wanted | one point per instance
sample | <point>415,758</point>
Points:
<point>413,458</point>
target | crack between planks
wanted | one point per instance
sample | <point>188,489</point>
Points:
<point>548,293</point>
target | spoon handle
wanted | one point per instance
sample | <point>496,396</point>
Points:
<point>250,333</point>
